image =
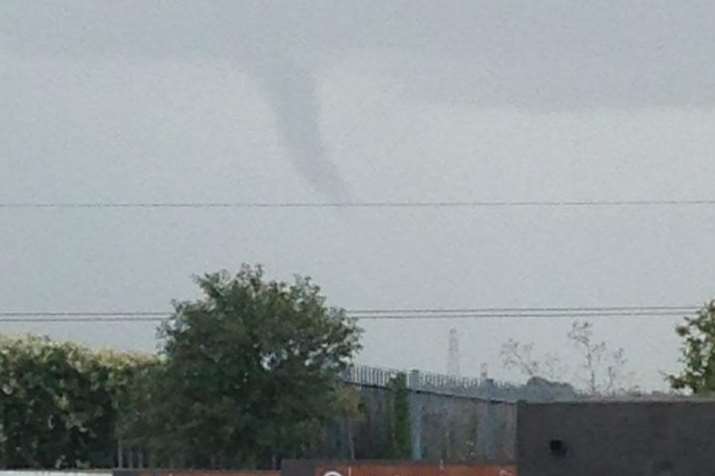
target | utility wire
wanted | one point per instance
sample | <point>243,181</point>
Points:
<point>79,319</point>
<point>474,310</point>
<point>518,315</point>
<point>521,309</point>
<point>85,314</point>
<point>379,314</point>
<point>376,204</point>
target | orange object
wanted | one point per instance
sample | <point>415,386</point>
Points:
<point>193,472</point>
<point>413,469</point>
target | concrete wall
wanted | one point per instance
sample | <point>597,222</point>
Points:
<point>460,429</point>
<point>611,438</point>
<point>443,427</point>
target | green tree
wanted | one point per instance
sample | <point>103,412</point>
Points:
<point>698,352</point>
<point>251,372</point>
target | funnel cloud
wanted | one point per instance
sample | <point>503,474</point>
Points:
<point>291,93</point>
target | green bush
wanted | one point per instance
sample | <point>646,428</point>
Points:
<point>60,403</point>
<point>400,431</point>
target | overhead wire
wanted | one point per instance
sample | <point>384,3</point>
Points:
<point>375,314</point>
<point>357,204</point>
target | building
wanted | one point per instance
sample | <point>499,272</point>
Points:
<point>634,438</point>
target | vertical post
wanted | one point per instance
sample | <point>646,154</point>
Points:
<point>488,426</point>
<point>120,455</point>
<point>415,402</point>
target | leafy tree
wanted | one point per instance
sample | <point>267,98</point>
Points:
<point>251,372</point>
<point>698,352</point>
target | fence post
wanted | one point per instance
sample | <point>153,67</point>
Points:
<point>120,455</point>
<point>487,426</point>
<point>415,405</point>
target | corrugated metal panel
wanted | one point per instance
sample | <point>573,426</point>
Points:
<point>413,469</point>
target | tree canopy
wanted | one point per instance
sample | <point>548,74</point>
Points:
<point>698,352</point>
<point>251,372</point>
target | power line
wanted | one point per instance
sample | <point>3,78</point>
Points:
<point>376,204</point>
<point>520,312</point>
<point>85,314</point>
<point>361,318</point>
<point>379,314</point>
<point>568,315</point>
<point>79,319</point>
<point>521,309</point>
<point>442,310</point>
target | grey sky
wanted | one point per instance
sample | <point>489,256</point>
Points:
<point>322,101</point>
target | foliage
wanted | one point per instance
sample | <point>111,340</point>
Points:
<point>603,368</point>
<point>61,403</point>
<point>400,434</point>
<point>698,352</point>
<point>251,373</point>
<point>520,356</point>
<point>600,371</point>
<point>352,411</point>
<point>350,403</point>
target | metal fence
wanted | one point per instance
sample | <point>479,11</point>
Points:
<point>484,388</point>
<point>416,379</point>
<point>420,381</point>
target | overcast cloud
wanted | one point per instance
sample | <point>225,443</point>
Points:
<point>337,101</point>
